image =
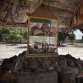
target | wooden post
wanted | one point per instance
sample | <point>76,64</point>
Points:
<point>57,35</point>
<point>28,23</point>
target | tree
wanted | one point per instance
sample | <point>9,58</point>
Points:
<point>5,31</point>
<point>0,36</point>
<point>82,40</point>
<point>61,37</point>
<point>4,34</point>
<point>71,37</point>
<point>14,37</point>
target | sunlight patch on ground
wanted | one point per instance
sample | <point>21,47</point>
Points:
<point>8,50</point>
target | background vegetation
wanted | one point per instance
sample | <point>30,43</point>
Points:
<point>13,36</point>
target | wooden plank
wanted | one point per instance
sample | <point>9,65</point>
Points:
<point>41,56</point>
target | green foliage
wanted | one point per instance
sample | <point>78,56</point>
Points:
<point>25,34</point>
<point>71,36</point>
<point>4,34</point>
<point>61,36</point>
<point>81,40</point>
<point>0,35</point>
<point>13,36</point>
<point>4,31</point>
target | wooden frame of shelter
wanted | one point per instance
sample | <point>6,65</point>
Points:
<point>44,13</point>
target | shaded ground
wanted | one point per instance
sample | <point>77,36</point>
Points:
<point>38,70</point>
